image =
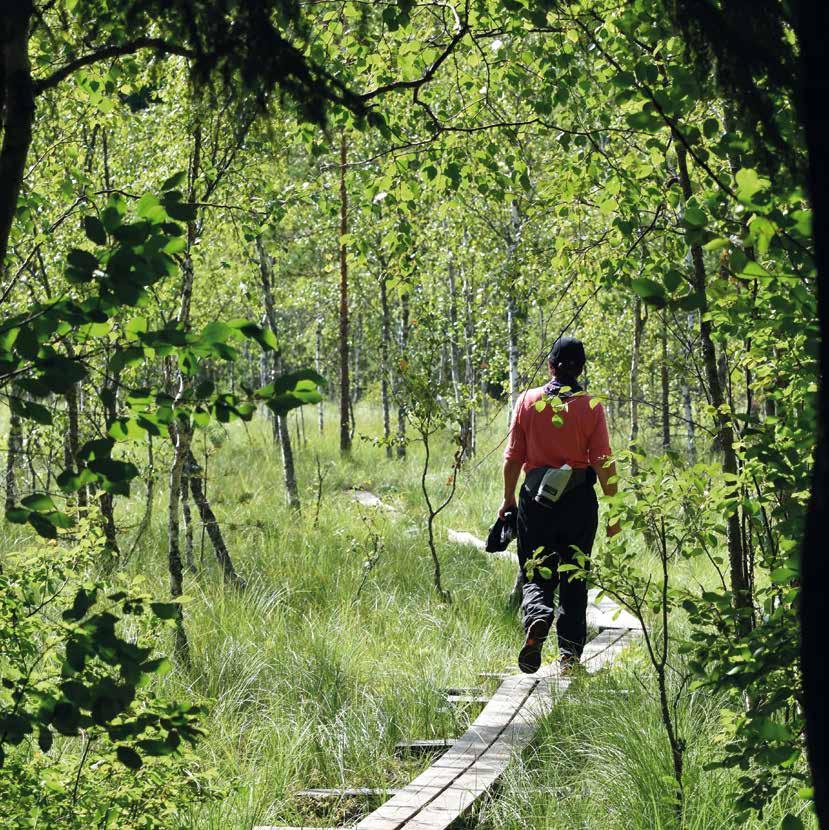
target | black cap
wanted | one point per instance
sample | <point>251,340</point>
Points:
<point>568,350</point>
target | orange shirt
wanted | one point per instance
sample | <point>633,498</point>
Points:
<point>580,440</point>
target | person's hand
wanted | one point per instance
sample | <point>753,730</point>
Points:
<point>613,530</point>
<point>506,504</point>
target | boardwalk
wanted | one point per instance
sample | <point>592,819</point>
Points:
<point>475,761</point>
<point>508,723</point>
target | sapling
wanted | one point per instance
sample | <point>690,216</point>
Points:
<point>656,515</point>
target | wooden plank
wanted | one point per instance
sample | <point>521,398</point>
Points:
<point>470,767</point>
<point>462,690</point>
<point>467,699</point>
<point>322,794</point>
<point>425,746</point>
<point>284,827</point>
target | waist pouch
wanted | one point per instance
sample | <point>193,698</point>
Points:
<point>578,478</point>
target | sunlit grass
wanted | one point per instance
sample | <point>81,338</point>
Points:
<point>313,673</point>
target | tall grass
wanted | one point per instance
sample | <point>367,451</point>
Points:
<point>315,671</point>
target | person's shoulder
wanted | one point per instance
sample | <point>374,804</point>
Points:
<point>592,403</point>
<point>531,396</point>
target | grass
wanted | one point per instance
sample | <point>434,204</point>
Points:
<point>339,648</point>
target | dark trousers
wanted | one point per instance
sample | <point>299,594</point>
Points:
<point>571,521</point>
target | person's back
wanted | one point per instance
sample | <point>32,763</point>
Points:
<point>556,430</point>
<point>548,433</point>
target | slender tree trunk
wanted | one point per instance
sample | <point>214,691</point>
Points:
<point>469,364</point>
<point>180,438</point>
<point>725,432</point>
<point>18,95</point>
<point>107,500</point>
<point>72,439</point>
<point>385,338</point>
<point>13,451</point>
<point>187,516</point>
<point>288,467</point>
<point>209,521</point>
<point>512,353</point>
<point>664,378</point>
<point>811,22</point>
<point>688,411</point>
<point>146,519</point>
<point>318,366</point>
<point>281,430</point>
<point>401,406</point>
<point>345,391</point>
<point>635,390</point>
<point>455,359</point>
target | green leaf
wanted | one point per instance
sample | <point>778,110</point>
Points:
<point>791,822</point>
<point>694,217</point>
<point>164,610</point>
<point>82,261</point>
<point>128,757</point>
<point>38,501</point>
<point>672,279</point>
<point>94,230</point>
<point>125,357</point>
<point>31,411</point>
<point>749,184</point>
<point>175,181</point>
<point>647,289</point>
<point>44,739</point>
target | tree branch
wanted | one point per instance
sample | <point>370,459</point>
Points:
<point>161,46</point>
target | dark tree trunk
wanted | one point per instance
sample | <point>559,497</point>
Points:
<point>345,390</point>
<point>72,442</point>
<point>665,385</point>
<point>725,432</point>
<point>281,432</point>
<point>318,366</point>
<point>18,95</point>
<point>107,500</point>
<point>635,390</point>
<point>180,439</point>
<point>196,481</point>
<point>811,20</point>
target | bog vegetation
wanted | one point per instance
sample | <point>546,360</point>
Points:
<point>259,255</point>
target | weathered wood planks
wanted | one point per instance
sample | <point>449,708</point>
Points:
<point>508,723</point>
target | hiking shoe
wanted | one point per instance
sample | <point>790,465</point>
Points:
<point>529,658</point>
<point>570,664</point>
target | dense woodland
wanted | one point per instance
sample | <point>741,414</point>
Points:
<point>256,255</point>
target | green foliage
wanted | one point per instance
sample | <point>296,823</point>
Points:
<point>75,707</point>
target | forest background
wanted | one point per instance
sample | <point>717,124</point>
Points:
<point>212,216</point>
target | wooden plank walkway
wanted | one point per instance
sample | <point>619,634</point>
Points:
<point>509,721</point>
<point>475,761</point>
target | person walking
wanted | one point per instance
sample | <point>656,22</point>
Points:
<point>559,437</point>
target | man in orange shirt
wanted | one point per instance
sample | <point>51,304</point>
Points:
<point>557,426</point>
